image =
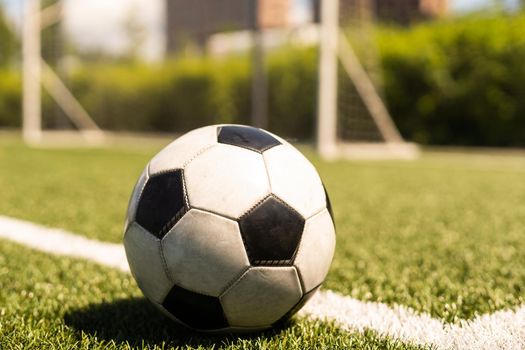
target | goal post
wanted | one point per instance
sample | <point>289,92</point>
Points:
<point>36,73</point>
<point>339,66</point>
<point>31,73</point>
<point>327,85</point>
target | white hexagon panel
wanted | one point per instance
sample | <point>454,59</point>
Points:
<point>145,262</point>
<point>227,180</point>
<point>179,152</point>
<point>316,250</point>
<point>294,180</point>
<point>262,296</point>
<point>204,252</point>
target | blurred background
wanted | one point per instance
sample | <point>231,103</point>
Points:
<point>431,72</point>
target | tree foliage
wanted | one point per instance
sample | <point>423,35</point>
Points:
<point>7,41</point>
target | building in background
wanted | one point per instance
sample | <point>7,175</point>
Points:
<point>191,23</point>
<point>407,11</point>
<point>274,13</point>
<point>396,11</point>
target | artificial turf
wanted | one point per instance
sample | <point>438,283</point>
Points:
<point>50,302</point>
<point>442,234</point>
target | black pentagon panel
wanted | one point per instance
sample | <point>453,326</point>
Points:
<point>195,310</point>
<point>297,306</point>
<point>161,203</point>
<point>247,137</point>
<point>271,233</point>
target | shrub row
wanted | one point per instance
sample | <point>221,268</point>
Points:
<point>460,82</point>
<point>456,82</point>
<point>183,94</point>
<point>10,101</point>
<point>188,93</point>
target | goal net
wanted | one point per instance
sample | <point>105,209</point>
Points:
<point>353,121</point>
<point>352,118</point>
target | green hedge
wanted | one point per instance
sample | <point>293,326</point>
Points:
<point>460,82</point>
<point>188,93</point>
<point>10,101</point>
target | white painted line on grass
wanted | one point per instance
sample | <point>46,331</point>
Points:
<point>500,330</point>
<point>60,242</point>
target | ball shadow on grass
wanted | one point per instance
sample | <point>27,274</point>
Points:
<point>137,322</point>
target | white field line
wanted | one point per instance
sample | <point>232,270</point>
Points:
<point>61,242</point>
<point>500,330</point>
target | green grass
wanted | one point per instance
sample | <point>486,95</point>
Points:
<point>83,190</point>
<point>49,302</point>
<point>443,234</point>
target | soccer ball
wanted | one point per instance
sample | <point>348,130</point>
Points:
<point>229,228</point>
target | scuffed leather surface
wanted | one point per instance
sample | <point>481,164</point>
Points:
<point>261,296</point>
<point>204,252</point>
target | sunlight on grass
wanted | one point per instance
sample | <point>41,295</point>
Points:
<point>443,234</point>
<point>61,303</point>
